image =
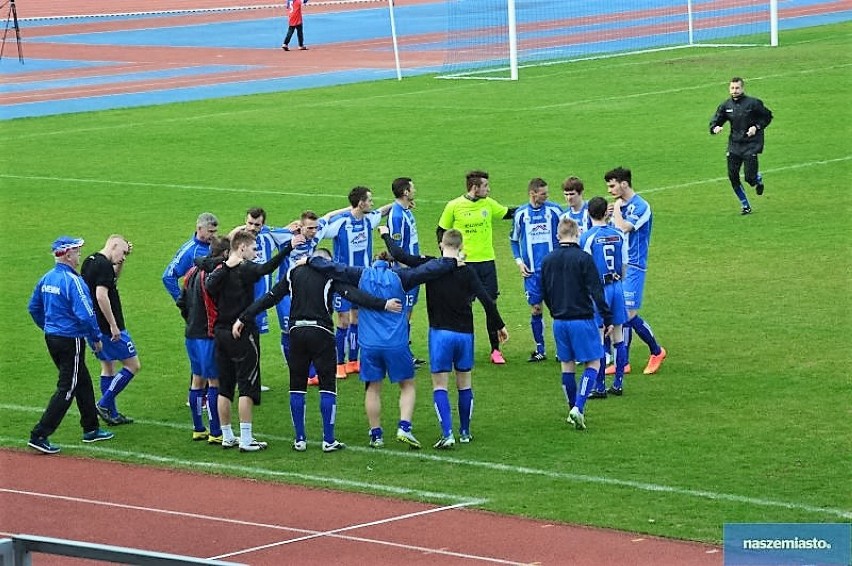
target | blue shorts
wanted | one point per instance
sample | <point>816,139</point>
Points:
<point>578,340</point>
<point>340,304</point>
<point>202,357</point>
<point>396,363</point>
<point>449,350</point>
<point>412,296</point>
<point>283,309</point>
<point>121,349</point>
<point>532,289</point>
<point>614,295</point>
<point>634,286</point>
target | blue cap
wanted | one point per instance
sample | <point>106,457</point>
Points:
<point>64,243</point>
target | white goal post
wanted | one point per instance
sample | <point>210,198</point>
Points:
<point>493,39</point>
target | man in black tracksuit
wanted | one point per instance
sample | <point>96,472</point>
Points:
<point>748,117</point>
<point>312,340</point>
<point>232,287</point>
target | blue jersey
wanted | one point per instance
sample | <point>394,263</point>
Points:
<point>403,228</point>
<point>581,217</point>
<point>607,247</point>
<point>353,238</point>
<point>533,233</point>
<point>307,249</point>
<point>381,329</point>
<point>637,213</point>
<point>180,264</point>
<point>62,306</point>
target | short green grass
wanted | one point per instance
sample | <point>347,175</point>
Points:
<point>748,420</point>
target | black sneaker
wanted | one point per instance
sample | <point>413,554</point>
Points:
<point>285,48</point>
<point>617,391</point>
<point>745,210</point>
<point>536,357</point>
<point>120,419</point>
<point>103,412</point>
<point>418,362</point>
<point>759,186</point>
<point>595,394</point>
<point>42,444</point>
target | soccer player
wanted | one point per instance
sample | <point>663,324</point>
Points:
<point>472,214</point>
<point>384,337</point>
<point>632,215</point>
<point>198,246</point>
<point>577,209</point>
<point>62,307</point>
<point>232,287</point>
<point>451,334</point>
<point>198,310</point>
<point>748,117</point>
<point>312,333</point>
<point>352,236</point>
<point>607,247</point>
<point>101,271</point>
<point>403,231</point>
<point>533,236</point>
<point>572,290</point>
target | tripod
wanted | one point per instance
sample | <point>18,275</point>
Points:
<point>12,16</point>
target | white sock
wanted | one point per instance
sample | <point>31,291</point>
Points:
<point>227,433</point>
<point>245,434</point>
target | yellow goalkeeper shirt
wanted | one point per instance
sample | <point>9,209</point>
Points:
<point>473,219</point>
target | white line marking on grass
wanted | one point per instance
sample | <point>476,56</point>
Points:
<point>341,195</point>
<point>494,466</point>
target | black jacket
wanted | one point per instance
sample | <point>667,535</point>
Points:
<point>195,303</point>
<point>743,113</point>
<point>571,285</point>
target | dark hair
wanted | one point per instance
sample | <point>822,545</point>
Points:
<point>309,215</point>
<point>219,247</point>
<point>597,208</point>
<point>358,194</point>
<point>619,174</point>
<point>474,178</point>
<point>573,184</point>
<point>536,184</point>
<point>738,80</point>
<point>241,237</point>
<point>384,255</point>
<point>400,185</point>
<point>257,212</point>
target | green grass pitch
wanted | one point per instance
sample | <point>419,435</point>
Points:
<point>749,418</point>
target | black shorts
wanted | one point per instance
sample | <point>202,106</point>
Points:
<point>487,273</point>
<point>239,364</point>
<point>312,344</point>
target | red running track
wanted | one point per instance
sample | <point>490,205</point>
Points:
<point>257,522</point>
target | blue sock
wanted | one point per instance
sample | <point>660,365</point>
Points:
<point>600,377</point>
<point>585,388</point>
<point>340,342</point>
<point>628,338</point>
<point>285,346</point>
<point>569,386</point>
<point>105,381</point>
<point>465,410</point>
<point>107,397</point>
<point>537,326</point>
<point>405,425</point>
<point>441,399</point>
<point>195,398</point>
<point>740,192</point>
<point>353,342</point>
<point>376,433</point>
<point>328,410</point>
<point>213,411</point>
<point>312,371</point>
<point>122,379</point>
<point>607,344</point>
<point>643,330</point>
<point>297,413</point>
<point>620,362</point>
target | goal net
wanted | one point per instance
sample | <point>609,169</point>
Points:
<point>493,38</point>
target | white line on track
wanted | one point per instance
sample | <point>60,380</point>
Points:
<point>497,467</point>
<point>307,534</point>
<point>318,194</point>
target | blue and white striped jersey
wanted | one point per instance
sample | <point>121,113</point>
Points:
<point>581,217</point>
<point>637,212</point>
<point>533,233</point>
<point>607,247</point>
<point>353,238</point>
<point>403,228</point>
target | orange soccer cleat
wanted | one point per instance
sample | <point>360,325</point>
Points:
<point>341,371</point>
<point>610,369</point>
<point>353,367</point>
<point>654,362</point>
